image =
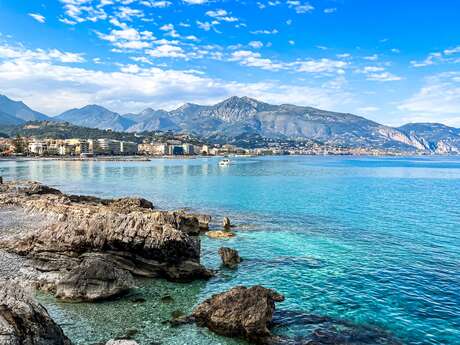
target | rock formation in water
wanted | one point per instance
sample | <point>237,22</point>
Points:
<point>23,321</point>
<point>94,279</point>
<point>125,234</point>
<point>220,234</point>
<point>239,312</point>
<point>230,257</point>
<point>226,223</point>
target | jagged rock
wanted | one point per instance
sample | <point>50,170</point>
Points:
<point>94,279</point>
<point>23,321</point>
<point>121,342</point>
<point>220,234</point>
<point>239,312</point>
<point>203,220</point>
<point>125,232</point>
<point>28,188</point>
<point>230,257</point>
<point>226,223</point>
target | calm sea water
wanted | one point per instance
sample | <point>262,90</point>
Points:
<point>374,241</point>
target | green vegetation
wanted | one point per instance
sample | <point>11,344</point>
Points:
<point>64,130</point>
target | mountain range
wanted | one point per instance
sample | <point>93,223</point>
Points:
<point>243,116</point>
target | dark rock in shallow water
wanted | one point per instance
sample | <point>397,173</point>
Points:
<point>23,321</point>
<point>94,279</point>
<point>138,300</point>
<point>230,257</point>
<point>121,342</point>
<point>239,312</point>
<point>167,299</point>
<point>324,330</point>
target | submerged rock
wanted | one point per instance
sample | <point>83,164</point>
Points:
<point>23,321</point>
<point>325,330</point>
<point>121,342</point>
<point>230,257</point>
<point>126,233</point>
<point>220,234</point>
<point>239,312</point>
<point>94,279</point>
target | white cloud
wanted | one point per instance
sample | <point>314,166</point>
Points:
<point>320,66</point>
<point>221,15</point>
<point>256,44</point>
<point>16,52</point>
<point>252,59</point>
<point>330,10</point>
<point>265,32</point>
<point>156,4</point>
<point>437,100</point>
<point>167,51</point>
<point>206,26</point>
<point>383,76</point>
<point>38,17</point>
<point>195,2</point>
<point>53,88</point>
<point>300,7</point>
<point>127,38</point>
<point>82,10</point>
<point>378,73</point>
<point>373,57</point>
<point>451,51</point>
<point>127,13</point>
<point>366,110</point>
<point>447,56</point>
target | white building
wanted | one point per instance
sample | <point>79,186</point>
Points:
<point>189,149</point>
<point>38,147</point>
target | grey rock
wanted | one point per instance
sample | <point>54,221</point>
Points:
<point>126,233</point>
<point>23,321</point>
<point>94,279</point>
<point>230,257</point>
<point>239,312</point>
<point>226,223</point>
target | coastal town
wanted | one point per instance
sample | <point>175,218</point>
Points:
<point>180,147</point>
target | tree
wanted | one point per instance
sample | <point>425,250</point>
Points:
<point>19,144</point>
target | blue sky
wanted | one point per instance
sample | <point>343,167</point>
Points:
<point>391,61</point>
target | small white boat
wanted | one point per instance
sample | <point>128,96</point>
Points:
<point>224,162</point>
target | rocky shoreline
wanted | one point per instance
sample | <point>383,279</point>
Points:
<point>87,249</point>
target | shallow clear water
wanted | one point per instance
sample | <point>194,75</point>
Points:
<point>375,241</point>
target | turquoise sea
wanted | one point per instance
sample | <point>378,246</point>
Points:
<point>371,241</point>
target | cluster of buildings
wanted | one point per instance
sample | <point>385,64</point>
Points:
<point>68,147</point>
<point>178,148</point>
<point>171,147</point>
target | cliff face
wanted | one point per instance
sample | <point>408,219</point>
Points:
<point>126,233</point>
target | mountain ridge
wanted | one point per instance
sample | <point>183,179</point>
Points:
<point>245,116</point>
<point>17,111</point>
